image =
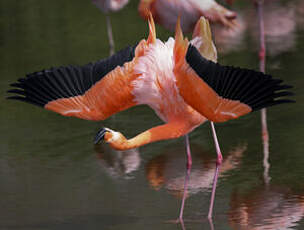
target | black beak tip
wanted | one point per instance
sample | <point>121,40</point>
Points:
<point>99,136</point>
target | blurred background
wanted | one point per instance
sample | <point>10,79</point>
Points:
<point>53,177</point>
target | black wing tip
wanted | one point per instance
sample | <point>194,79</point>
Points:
<point>16,84</point>
<point>274,95</point>
<point>283,94</point>
<point>253,88</point>
<point>20,92</point>
<point>12,97</point>
<point>14,91</point>
<point>100,135</point>
<point>285,101</point>
<point>43,86</point>
<point>26,99</point>
<point>272,103</point>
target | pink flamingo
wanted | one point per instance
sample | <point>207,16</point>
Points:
<point>166,12</point>
<point>178,79</point>
<point>107,6</point>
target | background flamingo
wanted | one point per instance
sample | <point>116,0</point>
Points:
<point>166,12</point>
<point>107,6</point>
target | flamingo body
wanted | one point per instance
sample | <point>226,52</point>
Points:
<point>166,12</point>
<point>156,85</point>
<point>110,5</point>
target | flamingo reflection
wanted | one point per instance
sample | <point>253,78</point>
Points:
<point>116,163</point>
<point>164,169</point>
<point>265,208</point>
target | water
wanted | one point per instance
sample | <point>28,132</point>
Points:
<point>53,177</point>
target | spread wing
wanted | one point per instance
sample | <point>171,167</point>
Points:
<point>221,93</point>
<point>92,92</point>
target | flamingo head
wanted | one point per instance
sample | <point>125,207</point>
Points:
<point>115,139</point>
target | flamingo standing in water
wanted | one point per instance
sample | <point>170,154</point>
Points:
<point>166,12</point>
<point>107,6</point>
<point>178,79</point>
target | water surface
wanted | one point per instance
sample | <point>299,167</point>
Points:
<point>53,177</point>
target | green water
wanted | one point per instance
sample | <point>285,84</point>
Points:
<point>53,177</point>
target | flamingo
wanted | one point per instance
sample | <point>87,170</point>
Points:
<point>166,12</point>
<point>107,6</point>
<point>178,79</point>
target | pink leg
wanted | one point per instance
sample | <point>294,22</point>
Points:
<point>262,55</point>
<point>187,177</point>
<point>182,224</point>
<point>211,224</point>
<point>110,35</point>
<point>218,163</point>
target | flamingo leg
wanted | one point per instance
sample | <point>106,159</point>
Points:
<point>211,224</point>
<point>182,224</point>
<point>187,176</point>
<point>110,35</point>
<point>218,163</point>
<point>262,56</point>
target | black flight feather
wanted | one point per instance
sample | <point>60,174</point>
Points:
<point>255,89</point>
<point>41,87</point>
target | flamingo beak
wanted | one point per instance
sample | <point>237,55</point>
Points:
<point>100,135</point>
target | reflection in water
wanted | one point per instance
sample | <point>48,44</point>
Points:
<point>280,28</point>
<point>266,208</point>
<point>118,163</point>
<point>187,176</point>
<point>164,170</point>
<point>55,183</point>
<point>266,163</point>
